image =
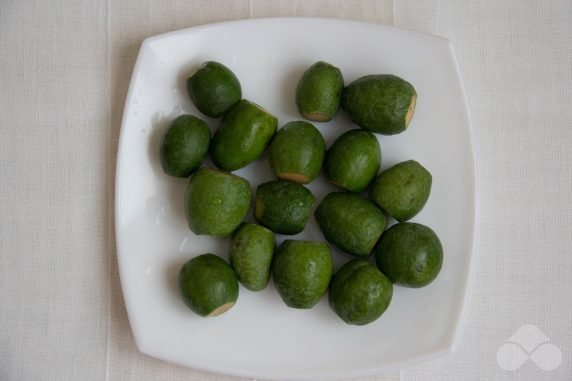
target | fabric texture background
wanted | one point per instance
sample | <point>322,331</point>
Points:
<point>65,68</point>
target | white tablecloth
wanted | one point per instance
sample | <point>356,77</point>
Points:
<point>64,69</point>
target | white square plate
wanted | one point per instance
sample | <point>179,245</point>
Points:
<point>261,337</point>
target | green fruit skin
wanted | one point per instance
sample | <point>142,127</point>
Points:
<point>214,88</point>
<point>297,152</point>
<point>283,207</point>
<point>184,146</point>
<point>409,254</point>
<point>350,222</point>
<point>379,103</point>
<point>359,292</point>
<point>251,252</point>
<point>216,202</point>
<point>207,282</point>
<point>353,160</point>
<point>319,92</point>
<point>242,136</point>
<point>402,190</point>
<point>302,271</point>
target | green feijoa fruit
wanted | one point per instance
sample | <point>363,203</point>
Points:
<point>213,88</point>
<point>302,271</point>
<point>319,92</point>
<point>251,251</point>
<point>208,285</point>
<point>350,222</point>
<point>359,293</point>
<point>297,152</point>
<point>402,190</point>
<point>409,254</point>
<point>353,161</point>
<point>283,207</point>
<point>216,202</point>
<point>381,103</point>
<point>242,135</point>
<point>184,146</point>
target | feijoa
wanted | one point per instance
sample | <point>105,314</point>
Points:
<point>353,161</point>
<point>297,152</point>
<point>216,202</point>
<point>242,135</point>
<point>350,222</point>
<point>302,271</point>
<point>359,293</point>
<point>214,88</point>
<point>283,207</point>
<point>184,146</point>
<point>382,103</point>
<point>251,252</point>
<point>410,254</point>
<point>402,190</point>
<point>208,285</point>
<point>319,92</point>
